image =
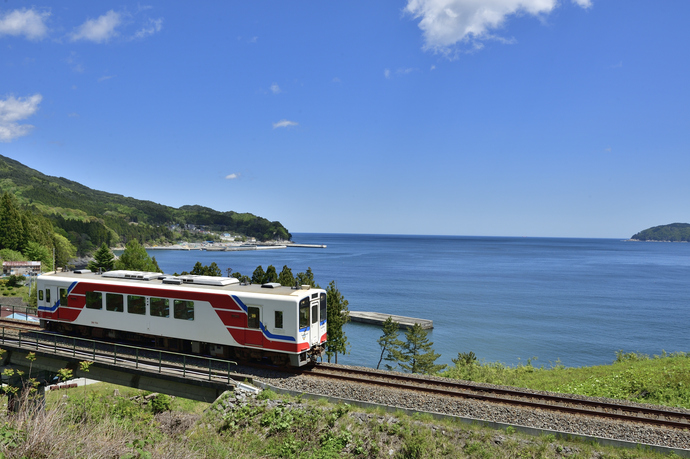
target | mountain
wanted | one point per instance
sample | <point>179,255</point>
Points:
<point>675,232</point>
<point>79,212</point>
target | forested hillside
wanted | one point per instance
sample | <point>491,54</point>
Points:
<point>675,232</point>
<point>38,208</point>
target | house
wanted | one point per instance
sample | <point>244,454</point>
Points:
<point>20,268</point>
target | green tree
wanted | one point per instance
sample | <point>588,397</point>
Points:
<point>64,250</point>
<point>271,274</point>
<point>36,252</point>
<point>306,278</point>
<point>415,354</point>
<point>11,229</point>
<point>240,277</point>
<point>11,255</point>
<point>135,258</point>
<point>103,259</point>
<point>202,270</point>
<point>286,278</point>
<point>259,276</point>
<point>389,341</point>
<point>338,315</point>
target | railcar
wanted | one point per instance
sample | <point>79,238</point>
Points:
<point>199,314</point>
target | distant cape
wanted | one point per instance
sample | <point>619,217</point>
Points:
<point>675,232</point>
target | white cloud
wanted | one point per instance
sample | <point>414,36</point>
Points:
<point>584,3</point>
<point>275,89</point>
<point>153,26</point>
<point>98,30</point>
<point>105,77</point>
<point>232,176</point>
<point>30,23</point>
<point>446,23</point>
<point>336,80</point>
<point>16,109</point>
<point>387,73</point>
<point>284,123</point>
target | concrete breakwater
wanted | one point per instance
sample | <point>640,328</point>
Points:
<point>220,247</point>
<point>378,318</point>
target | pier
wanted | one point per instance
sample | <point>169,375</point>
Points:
<point>378,318</point>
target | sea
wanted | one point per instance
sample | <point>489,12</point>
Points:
<point>549,301</point>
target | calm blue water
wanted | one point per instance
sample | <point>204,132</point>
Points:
<point>505,299</point>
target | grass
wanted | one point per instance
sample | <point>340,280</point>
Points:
<point>113,421</point>
<point>662,379</point>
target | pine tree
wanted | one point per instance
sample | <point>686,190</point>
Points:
<point>271,274</point>
<point>259,276</point>
<point>416,355</point>
<point>11,229</point>
<point>306,278</point>
<point>103,259</point>
<point>286,278</point>
<point>389,342</point>
<point>136,258</point>
<point>338,315</point>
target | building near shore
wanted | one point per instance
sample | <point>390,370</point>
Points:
<point>21,268</point>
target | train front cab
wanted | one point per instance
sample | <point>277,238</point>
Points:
<point>312,328</point>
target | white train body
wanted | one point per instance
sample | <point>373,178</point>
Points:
<point>199,314</point>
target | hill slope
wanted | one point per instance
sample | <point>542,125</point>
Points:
<point>110,218</point>
<point>675,232</point>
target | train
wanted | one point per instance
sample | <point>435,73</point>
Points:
<point>208,315</point>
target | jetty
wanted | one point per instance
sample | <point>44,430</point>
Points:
<point>310,246</point>
<point>378,318</point>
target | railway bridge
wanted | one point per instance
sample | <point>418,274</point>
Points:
<point>193,377</point>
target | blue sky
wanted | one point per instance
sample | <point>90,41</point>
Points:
<point>561,118</point>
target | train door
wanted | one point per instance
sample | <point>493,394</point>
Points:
<point>314,335</point>
<point>254,336</point>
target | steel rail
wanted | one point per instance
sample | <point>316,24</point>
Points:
<point>503,396</point>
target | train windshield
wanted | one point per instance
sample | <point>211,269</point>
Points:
<point>322,303</point>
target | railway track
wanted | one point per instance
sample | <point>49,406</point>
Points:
<point>515,397</point>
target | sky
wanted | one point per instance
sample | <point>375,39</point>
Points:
<point>543,118</point>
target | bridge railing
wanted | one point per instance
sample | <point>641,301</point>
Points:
<point>124,355</point>
<point>26,313</point>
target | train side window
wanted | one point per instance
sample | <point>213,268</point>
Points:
<point>279,319</point>
<point>136,304</point>
<point>304,313</point>
<point>184,310</point>
<point>160,307</point>
<point>315,314</point>
<point>323,302</point>
<point>63,296</point>
<point>253,319</point>
<point>48,295</point>
<point>40,295</point>
<point>114,302</point>
<point>94,300</point>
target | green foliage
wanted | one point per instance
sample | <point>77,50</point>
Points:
<point>271,274</point>
<point>416,354</point>
<point>64,250</point>
<point>135,258</point>
<point>388,341</point>
<point>11,255</point>
<point>203,270</point>
<point>259,276</point>
<point>338,316</point>
<point>104,260</point>
<point>286,278</point>
<point>660,379</point>
<point>306,278</point>
<point>37,252</point>
<point>161,403</point>
<point>11,228</point>
<point>675,232</point>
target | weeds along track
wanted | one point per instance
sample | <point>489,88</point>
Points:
<point>575,405</point>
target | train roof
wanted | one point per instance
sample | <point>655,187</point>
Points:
<point>203,282</point>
